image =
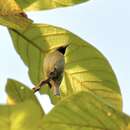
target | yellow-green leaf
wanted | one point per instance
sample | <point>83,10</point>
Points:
<point>18,92</point>
<point>128,128</point>
<point>15,21</point>
<point>86,69</point>
<point>23,116</point>
<point>9,7</point>
<point>31,5</point>
<point>84,111</point>
<point>34,43</point>
<point>11,15</point>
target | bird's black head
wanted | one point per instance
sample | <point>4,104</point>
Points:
<point>62,49</point>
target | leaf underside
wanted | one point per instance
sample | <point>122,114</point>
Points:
<point>23,116</point>
<point>31,5</point>
<point>86,69</point>
<point>90,95</point>
<point>84,111</point>
<point>9,7</point>
<point>11,15</point>
<point>18,92</point>
<point>23,111</point>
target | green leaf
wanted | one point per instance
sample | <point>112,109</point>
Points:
<point>128,128</point>
<point>23,116</point>
<point>11,15</point>
<point>31,5</point>
<point>15,21</point>
<point>18,92</point>
<point>86,69</point>
<point>9,7</point>
<point>34,43</point>
<point>84,111</point>
<point>23,112</point>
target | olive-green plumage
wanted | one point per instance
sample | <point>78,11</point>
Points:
<point>53,68</point>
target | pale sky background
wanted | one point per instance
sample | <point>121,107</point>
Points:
<point>103,23</point>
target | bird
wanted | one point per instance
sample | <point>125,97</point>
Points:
<point>53,68</point>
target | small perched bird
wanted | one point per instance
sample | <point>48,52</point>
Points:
<point>53,68</point>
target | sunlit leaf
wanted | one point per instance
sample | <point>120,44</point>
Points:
<point>35,43</point>
<point>12,16</point>
<point>23,116</point>
<point>86,69</point>
<point>84,111</point>
<point>18,92</point>
<point>31,5</point>
<point>15,21</point>
<point>128,127</point>
<point>9,7</point>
